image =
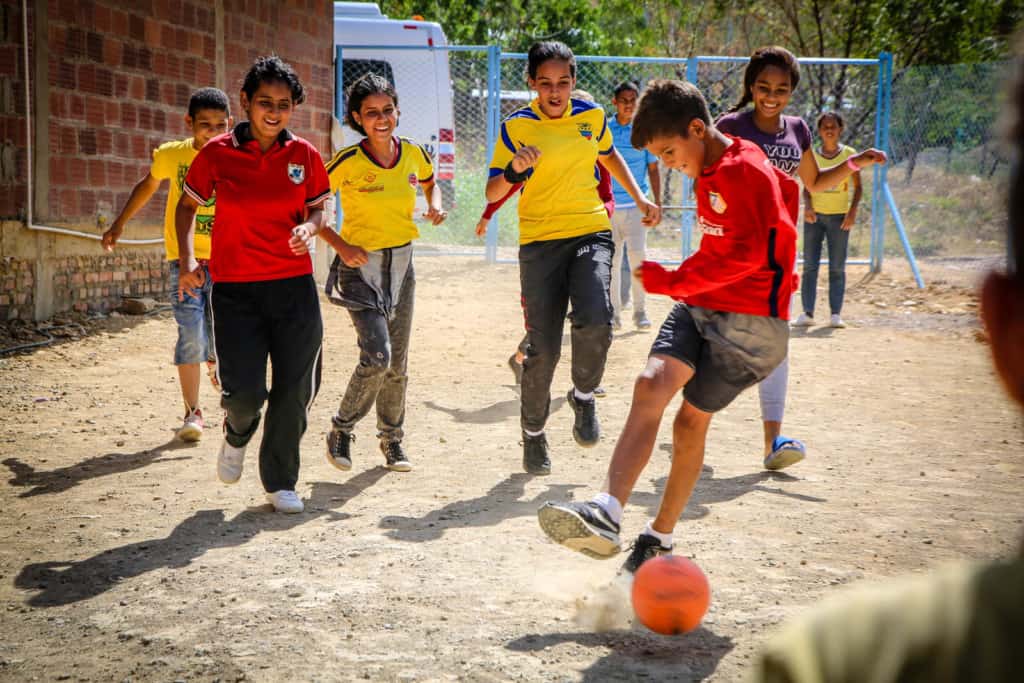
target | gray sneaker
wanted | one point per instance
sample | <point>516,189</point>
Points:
<point>581,526</point>
<point>641,320</point>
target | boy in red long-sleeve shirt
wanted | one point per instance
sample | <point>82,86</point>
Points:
<point>727,333</point>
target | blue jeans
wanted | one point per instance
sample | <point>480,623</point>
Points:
<point>827,227</point>
<point>195,330</point>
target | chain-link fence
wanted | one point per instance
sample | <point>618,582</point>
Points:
<point>949,167</point>
<point>946,174</point>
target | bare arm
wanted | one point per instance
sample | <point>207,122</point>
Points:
<point>858,192</point>
<point>819,180</point>
<point>497,186</point>
<point>190,275</point>
<point>435,213</point>
<point>141,193</point>
<point>655,177</point>
<point>809,214</point>
<point>620,171</point>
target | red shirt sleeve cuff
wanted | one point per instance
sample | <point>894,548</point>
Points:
<point>654,276</point>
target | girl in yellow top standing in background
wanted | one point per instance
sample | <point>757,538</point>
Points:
<point>828,216</point>
<point>565,240</point>
<point>372,276</point>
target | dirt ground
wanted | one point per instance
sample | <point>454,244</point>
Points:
<point>123,558</point>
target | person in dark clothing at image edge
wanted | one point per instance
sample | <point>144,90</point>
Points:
<point>270,187</point>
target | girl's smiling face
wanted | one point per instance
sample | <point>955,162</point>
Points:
<point>771,92</point>
<point>378,115</point>
<point>553,84</point>
<point>269,110</point>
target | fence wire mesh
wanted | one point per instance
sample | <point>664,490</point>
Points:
<point>950,167</point>
<point>948,170</point>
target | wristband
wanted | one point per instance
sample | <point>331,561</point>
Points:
<point>512,177</point>
<point>852,164</point>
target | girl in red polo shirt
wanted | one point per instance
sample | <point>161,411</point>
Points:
<point>270,187</point>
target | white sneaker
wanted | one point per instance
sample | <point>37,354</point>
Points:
<point>192,430</point>
<point>836,321</point>
<point>287,502</point>
<point>803,320</point>
<point>229,463</point>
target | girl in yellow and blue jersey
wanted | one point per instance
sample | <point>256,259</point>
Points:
<point>372,275</point>
<point>565,253</point>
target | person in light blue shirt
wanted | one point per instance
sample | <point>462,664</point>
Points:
<point>628,232</point>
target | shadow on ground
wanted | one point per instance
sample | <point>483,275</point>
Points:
<point>64,478</point>
<point>63,583</point>
<point>640,654</point>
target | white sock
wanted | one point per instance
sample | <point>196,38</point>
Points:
<point>665,539</point>
<point>529,433</point>
<point>611,505</point>
<point>580,396</point>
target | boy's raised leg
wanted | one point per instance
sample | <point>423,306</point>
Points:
<point>592,527</point>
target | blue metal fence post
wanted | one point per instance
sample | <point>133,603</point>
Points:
<point>881,140</point>
<point>689,208</point>
<point>339,113</point>
<point>493,126</point>
<point>887,197</point>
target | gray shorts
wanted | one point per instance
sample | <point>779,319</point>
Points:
<point>728,352</point>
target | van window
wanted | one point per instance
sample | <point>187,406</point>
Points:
<point>353,69</point>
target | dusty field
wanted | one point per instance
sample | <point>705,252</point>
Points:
<point>122,557</point>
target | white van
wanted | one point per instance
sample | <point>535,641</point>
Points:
<point>421,77</point>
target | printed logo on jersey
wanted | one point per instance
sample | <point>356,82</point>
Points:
<point>369,177</point>
<point>413,180</point>
<point>296,173</point>
<point>706,228</point>
<point>586,130</point>
<point>717,203</point>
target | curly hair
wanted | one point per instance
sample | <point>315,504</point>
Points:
<point>273,69</point>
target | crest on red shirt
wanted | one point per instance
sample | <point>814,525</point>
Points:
<point>413,181</point>
<point>296,173</point>
<point>717,203</point>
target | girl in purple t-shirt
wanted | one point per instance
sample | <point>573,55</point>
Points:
<point>768,82</point>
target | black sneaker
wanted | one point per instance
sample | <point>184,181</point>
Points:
<point>643,548</point>
<point>535,454</point>
<point>339,449</point>
<point>584,527</point>
<point>585,429</point>
<point>517,368</point>
<point>394,456</point>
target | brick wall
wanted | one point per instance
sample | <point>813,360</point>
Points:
<point>16,290</point>
<point>97,283</point>
<point>13,170</point>
<point>119,75</point>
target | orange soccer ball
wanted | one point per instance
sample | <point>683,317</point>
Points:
<point>670,594</point>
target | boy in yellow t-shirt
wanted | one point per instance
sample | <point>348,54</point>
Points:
<point>828,216</point>
<point>208,116</point>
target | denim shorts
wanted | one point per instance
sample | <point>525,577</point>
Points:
<point>728,352</point>
<point>194,318</point>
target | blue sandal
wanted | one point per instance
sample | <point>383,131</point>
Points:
<point>785,452</point>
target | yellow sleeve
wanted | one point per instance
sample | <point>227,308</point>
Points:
<point>504,150</point>
<point>604,138</point>
<point>334,166</point>
<point>163,166</point>
<point>425,171</point>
